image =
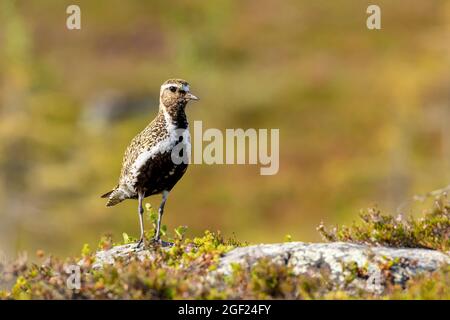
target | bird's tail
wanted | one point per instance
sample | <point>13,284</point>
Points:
<point>114,196</point>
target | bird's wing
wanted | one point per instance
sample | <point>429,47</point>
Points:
<point>140,149</point>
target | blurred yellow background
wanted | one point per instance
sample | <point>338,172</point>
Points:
<point>363,115</point>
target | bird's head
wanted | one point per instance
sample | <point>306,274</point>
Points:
<point>174,93</point>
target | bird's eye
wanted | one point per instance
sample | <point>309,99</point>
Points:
<point>173,89</point>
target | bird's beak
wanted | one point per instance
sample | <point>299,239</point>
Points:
<point>190,96</point>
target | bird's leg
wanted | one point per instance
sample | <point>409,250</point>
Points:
<point>141,219</point>
<point>165,194</point>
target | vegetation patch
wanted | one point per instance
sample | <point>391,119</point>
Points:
<point>432,231</point>
<point>186,270</point>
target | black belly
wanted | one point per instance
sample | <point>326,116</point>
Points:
<point>159,174</point>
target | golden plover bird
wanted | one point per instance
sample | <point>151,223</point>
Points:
<point>150,164</point>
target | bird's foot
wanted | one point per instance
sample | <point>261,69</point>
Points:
<point>159,242</point>
<point>141,243</point>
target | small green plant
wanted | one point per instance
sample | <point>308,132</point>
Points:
<point>126,238</point>
<point>180,232</point>
<point>86,250</point>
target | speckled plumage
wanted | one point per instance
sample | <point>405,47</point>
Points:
<point>147,166</point>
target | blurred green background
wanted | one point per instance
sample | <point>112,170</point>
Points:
<point>363,115</point>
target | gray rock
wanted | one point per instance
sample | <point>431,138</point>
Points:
<point>336,257</point>
<point>313,258</point>
<point>125,252</point>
